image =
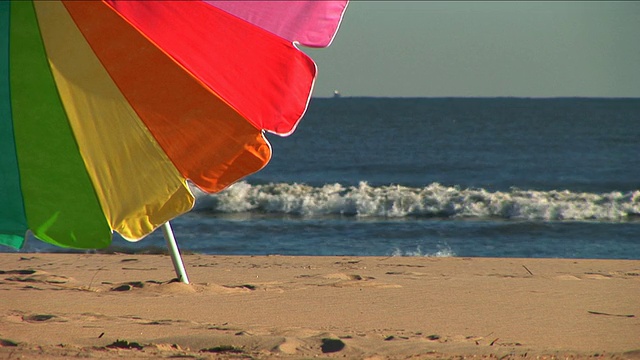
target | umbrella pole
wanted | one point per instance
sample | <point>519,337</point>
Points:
<point>178,265</point>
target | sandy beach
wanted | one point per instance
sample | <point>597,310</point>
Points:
<point>59,306</point>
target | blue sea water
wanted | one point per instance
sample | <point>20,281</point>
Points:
<point>494,177</point>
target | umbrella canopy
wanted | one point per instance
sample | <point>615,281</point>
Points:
<point>108,107</point>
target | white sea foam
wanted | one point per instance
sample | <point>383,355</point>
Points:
<point>434,200</point>
<point>443,251</point>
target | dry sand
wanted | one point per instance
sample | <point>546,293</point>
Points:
<point>59,306</point>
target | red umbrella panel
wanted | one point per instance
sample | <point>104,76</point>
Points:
<point>107,108</point>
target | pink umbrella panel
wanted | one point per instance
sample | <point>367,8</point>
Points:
<point>107,108</point>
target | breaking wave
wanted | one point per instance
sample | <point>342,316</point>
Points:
<point>441,252</point>
<point>432,201</point>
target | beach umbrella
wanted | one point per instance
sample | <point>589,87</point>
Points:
<point>108,108</point>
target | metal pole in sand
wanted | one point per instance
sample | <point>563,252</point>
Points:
<point>178,265</point>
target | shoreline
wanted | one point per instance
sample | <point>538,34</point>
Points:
<point>295,307</point>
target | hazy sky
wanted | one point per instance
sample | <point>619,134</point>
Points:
<point>501,48</point>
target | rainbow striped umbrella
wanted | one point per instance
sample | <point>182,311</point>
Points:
<point>108,107</point>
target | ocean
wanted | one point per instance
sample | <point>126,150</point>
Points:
<point>462,177</point>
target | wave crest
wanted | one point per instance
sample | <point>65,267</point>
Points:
<point>434,200</point>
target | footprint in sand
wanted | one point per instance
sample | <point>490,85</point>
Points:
<point>290,346</point>
<point>128,286</point>
<point>38,318</point>
<point>157,287</point>
<point>8,343</point>
<point>567,277</point>
<point>414,275</point>
<point>354,280</point>
<point>35,276</point>
<point>597,276</point>
<point>343,276</point>
<point>588,276</point>
<point>19,272</point>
